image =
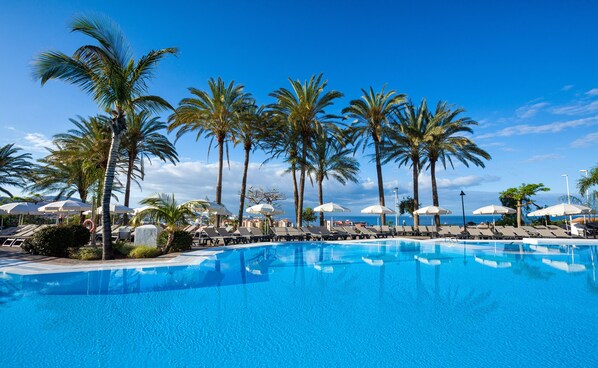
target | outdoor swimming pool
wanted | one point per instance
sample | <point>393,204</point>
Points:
<point>386,303</point>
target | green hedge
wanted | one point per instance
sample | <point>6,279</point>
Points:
<point>183,240</point>
<point>143,251</point>
<point>57,241</point>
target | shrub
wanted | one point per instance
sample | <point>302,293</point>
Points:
<point>81,235</point>
<point>182,241</point>
<point>88,254</point>
<point>122,249</point>
<point>53,241</point>
<point>143,251</point>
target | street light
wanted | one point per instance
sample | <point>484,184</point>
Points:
<point>463,210</point>
<point>568,199</point>
<point>396,192</point>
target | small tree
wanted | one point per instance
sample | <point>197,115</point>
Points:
<point>522,196</point>
<point>407,206</point>
<point>309,215</point>
<point>163,208</point>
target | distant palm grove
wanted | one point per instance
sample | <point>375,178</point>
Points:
<point>106,152</point>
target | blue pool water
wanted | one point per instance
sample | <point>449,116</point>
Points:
<point>389,303</point>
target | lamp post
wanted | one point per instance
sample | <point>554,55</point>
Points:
<point>396,192</point>
<point>587,194</point>
<point>568,200</point>
<point>463,210</point>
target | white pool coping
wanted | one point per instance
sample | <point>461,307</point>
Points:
<point>194,258</point>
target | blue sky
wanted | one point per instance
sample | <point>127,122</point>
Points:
<point>527,71</point>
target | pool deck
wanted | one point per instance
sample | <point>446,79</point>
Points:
<point>14,261</point>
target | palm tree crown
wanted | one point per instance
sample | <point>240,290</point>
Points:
<point>303,109</point>
<point>142,141</point>
<point>405,143</point>
<point>329,158</point>
<point>444,143</point>
<point>372,114</point>
<point>213,114</point>
<point>14,167</point>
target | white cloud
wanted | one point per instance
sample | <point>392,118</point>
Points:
<point>542,128</point>
<point>585,141</point>
<point>592,92</point>
<point>458,182</point>
<point>530,110</point>
<point>576,108</point>
<point>38,142</point>
<point>567,87</point>
<point>546,157</point>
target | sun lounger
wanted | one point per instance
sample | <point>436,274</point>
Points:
<point>375,232</point>
<point>260,235</point>
<point>531,232</point>
<point>399,230</point>
<point>227,234</point>
<point>280,233</point>
<point>444,232</point>
<point>17,239</point>
<point>560,232</point>
<point>352,232</point>
<point>422,230</point>
<point>408,230</point>
<point>340,233</point>
<point>545,233</point>
<point>296,234</point>
<point>214,237</point>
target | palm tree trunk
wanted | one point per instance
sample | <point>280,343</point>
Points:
<point>219,180</point>
<point>168,242</point>
<point>518,213</point>
<point>415,193</point>
<point>434,189</point>
<point>321,199</point>
<point>295,191</point>
<point>83,197</point>
<point>302,179</point>
<point>380,181</point>
<point>130,166</point>
<point>107,195</point>
<point>243,186</point>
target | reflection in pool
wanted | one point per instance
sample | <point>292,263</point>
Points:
<point>384,303</point>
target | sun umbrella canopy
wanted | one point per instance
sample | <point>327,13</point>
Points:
<point>377,210</point>
<point>117,208</point>
<point>65,206</point>
<point>261,209</point>
<point>20,208</point>
<point>141,209</point>
<point>220,211</point>
<point>432,210</point>
<point>563,209</point>
<point>331,207</point>
<point>494,210</point>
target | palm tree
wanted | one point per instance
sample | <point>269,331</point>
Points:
<point>164,209</point>
<point>372,115</point>
<point>14,167</point>
<point>144,140</point>
<point>329,158</point>
<point>65,173</point>
<point>279,140</point>
<point>115,80</point>
<point>214,114</point>
<point>443,143</point>
<point>249,129</point>
<point>523,196</point>
<point>303,109</point>
<point>585,183</point>
<point>405,144</point>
